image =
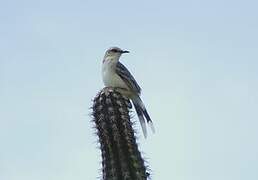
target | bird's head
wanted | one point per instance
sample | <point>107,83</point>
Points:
<point>114,53</point>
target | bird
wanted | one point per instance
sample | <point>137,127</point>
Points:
<point>116,75</point>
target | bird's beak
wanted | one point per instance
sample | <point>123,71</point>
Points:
<point>125,52</point>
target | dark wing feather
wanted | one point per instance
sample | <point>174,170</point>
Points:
<point>127,77</point>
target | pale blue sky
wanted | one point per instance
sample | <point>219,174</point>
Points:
<point>196,61</point>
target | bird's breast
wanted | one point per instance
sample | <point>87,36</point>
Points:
<point>111,78</point>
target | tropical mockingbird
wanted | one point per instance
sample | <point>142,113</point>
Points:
<point>115,74</point>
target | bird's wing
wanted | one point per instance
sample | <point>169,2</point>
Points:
<point>127,77</point>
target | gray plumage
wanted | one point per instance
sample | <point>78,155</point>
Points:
<point>127,77</point>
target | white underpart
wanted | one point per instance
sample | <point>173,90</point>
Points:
<point>109,75</point>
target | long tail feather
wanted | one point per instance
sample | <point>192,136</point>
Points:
<point>149,121</point>
<point>141,118</point>
<point>141,110</point>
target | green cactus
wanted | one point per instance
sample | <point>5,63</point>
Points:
<point>121,159</point>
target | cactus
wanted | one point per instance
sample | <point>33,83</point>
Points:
<point>121,159</point>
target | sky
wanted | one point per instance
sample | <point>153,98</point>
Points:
<point>196,62</point>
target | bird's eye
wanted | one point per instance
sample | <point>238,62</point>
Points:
<point>114,50</point>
